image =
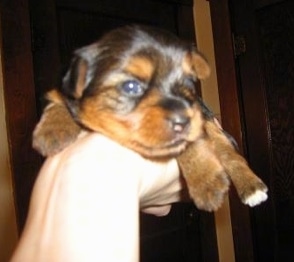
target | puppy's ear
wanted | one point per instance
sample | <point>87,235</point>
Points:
<point>80,72</point>
<point>74,82</point>
<point>199,65</point>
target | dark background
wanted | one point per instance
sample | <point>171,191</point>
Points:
<point>253,42</point>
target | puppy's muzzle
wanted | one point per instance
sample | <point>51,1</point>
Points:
<point>179,122</point>
<point>178,117</point>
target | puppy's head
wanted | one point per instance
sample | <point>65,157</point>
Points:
<point>137,86</point>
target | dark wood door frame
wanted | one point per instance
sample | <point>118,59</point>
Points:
<point>231,118</point>
<point>19,95</point>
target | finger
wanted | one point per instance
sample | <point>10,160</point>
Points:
<point>157,210</point>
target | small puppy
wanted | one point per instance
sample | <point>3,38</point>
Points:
<point>137,86</point>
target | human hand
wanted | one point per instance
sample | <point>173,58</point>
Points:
<point>85,203</point>
<point>159,183</point>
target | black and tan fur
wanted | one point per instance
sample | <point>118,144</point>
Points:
<point>137,86</point>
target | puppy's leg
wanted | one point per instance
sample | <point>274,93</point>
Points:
<point>56,129</point>
<point>206,179</point>
<point>250,188</point>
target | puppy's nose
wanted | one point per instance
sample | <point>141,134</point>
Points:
<point>179,122</point>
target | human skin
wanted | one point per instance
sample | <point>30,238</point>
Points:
<point>86,200</point>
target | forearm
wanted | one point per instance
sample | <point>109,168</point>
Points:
<point>82,212</point>
<point>86,201</point>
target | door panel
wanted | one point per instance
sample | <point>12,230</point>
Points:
<point>277,43</point>
<point>19,94</point>
<point>265,83</point>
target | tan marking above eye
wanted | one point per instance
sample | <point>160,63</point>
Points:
<point>115,78</point>
<point>140,67</point>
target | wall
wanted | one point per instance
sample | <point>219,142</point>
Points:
<point>8,229</point>
<point>209,89</point>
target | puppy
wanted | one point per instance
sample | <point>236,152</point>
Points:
<point>136,85</point>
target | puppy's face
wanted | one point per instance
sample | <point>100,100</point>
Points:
<point>137,86</point>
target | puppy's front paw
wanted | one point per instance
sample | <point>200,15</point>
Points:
<point>55,131</point>
<point>49,142</point>
<point>209,193</point>
<point>254,194</point>
<point>256,198</point>
<point>206,178</point>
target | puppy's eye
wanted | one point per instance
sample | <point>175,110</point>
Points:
<point>189,83</point>
<point>132,88</point>
<point>186,89</point>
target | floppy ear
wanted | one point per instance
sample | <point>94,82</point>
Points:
<point>200,65</point>
<point>74,82</point>
<point>80,72</point>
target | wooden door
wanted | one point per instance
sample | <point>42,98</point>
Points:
<point>262,83</point>
<point>268,98</point>
<point>20,100</point>
<point>45,33</point>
